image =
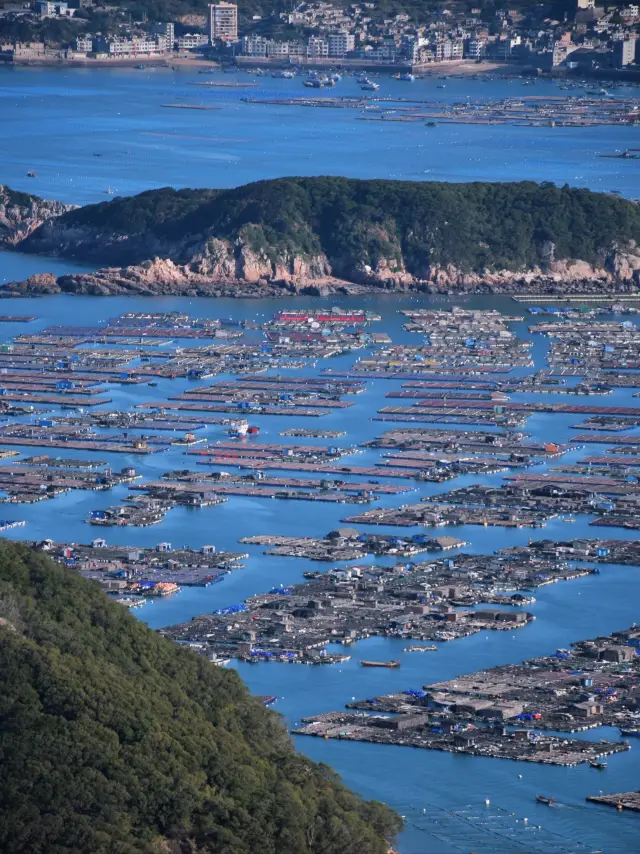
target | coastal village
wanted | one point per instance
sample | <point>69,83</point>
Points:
<point>591,38</point>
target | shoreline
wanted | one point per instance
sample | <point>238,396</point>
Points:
<point>91,285</point>
<point>248,64</point>
<point>173,64</point>
<point>462,67</point>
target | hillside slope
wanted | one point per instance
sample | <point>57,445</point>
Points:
<point>375,233</point>
<point>113,739</point>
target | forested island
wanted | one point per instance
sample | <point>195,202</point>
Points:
<point>319,235</point>
<point>115,739</point>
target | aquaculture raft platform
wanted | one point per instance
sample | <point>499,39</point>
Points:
<point>623,800</point>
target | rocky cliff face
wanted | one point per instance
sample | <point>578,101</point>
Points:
<point>222,268</point>
<point>21,214</point>
<point>619,270</point>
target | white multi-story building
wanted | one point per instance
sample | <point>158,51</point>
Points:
<point>83,44</point>
<point>25,50</point>
<point>54,9</point>
<point>340,44</point>
<point>223,22</point>
<point>191,41</point>
<point>317,48</point>
<point>254,45</point>
<point>476,48</point>
<point>448,50</point>
<point>413,48</point>
<point>279,50</point>
<point>134,46</point>
<point>383,53</point>
<point>282,50</point>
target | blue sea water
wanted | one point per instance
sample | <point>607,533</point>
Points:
<point>55,122</point>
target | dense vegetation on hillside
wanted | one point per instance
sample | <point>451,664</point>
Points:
<point>154,210</point>
<point>474,226</point>
<point>114,739</point>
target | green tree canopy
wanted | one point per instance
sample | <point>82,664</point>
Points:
<point>114,740</point>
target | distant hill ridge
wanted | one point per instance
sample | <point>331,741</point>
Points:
<point>115,740</point>
<point>376,233</point>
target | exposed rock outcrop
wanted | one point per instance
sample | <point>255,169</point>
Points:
<point>224,270</point>
<point>21,214</point>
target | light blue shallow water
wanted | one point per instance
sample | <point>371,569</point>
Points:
<point>54,122</point>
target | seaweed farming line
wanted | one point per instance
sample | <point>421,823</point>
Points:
<point>472,828</point>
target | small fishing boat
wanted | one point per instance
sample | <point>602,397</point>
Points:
<point>549,802</point>
<point>597,764</point>
<point>634,732</point>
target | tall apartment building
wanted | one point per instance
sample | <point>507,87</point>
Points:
<point>624,52</point>
<point>223,22</point>
<point>166,30</point>
<point>340,44</point>
<point>317,47</point>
